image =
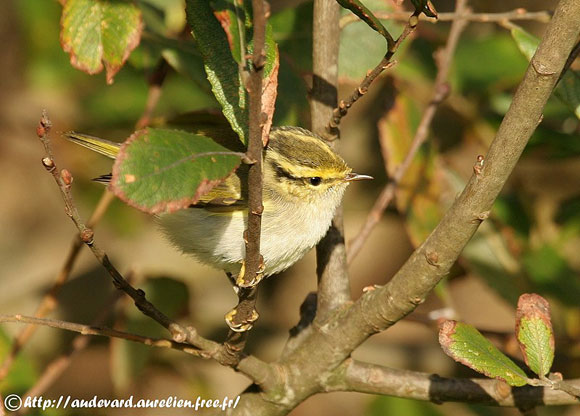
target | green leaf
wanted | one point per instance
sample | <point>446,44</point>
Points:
<point>534,332</point>
<point>466,345</point>
<point>161,170</point>
<point>223,31</point>
<point>472,72</point>
<point>100,34</point>
<point>527,43</point>
<point>220,66</point>
<point>568,89</point>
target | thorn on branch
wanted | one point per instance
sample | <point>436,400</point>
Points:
<point>247,160</point>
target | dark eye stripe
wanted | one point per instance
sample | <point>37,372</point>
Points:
<point>283,173</point>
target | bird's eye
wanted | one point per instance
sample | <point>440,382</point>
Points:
<point>315,181</point>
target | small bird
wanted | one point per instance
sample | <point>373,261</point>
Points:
<point>303,183</point>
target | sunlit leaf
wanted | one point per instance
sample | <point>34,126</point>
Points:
<point>160,170</point>
<point>220,66</point>
<point>534,332</point>
<point>223,33</point>
<point>100,34</point>
<point>466,345</point>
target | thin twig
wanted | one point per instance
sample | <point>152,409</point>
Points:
<point>517,14</point>
<point>363,88</point>
<point>251,366</point>
<point>242,317</point>
<point>50,299</point>
<point>440,92</point>
<point>64,180</point>
<point>103,332</point>
<point>154,93</point>
<point>55,368</point>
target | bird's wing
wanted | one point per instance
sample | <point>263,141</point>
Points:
<point>230,195</point>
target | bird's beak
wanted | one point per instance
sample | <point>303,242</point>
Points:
<point>351,177</point>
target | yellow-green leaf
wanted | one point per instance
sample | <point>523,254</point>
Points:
<point>100,34</point>
<point>467,345</point>
<point>534,332</point>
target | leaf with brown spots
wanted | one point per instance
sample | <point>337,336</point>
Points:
<point>466,345</point>
<point>100,34</point>
<point>534,332</point>
<point>159,170</point>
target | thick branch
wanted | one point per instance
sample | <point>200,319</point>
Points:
<point>332,342</point>
<point>333,281</point>
<point>374,379</point>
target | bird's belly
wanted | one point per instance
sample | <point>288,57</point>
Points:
<point>217,239</point>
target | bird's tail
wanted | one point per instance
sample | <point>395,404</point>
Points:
<point>102,146</point>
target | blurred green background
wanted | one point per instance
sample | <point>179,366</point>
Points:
<point>530,243</point>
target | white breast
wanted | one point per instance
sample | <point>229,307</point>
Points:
<point>217,239</point>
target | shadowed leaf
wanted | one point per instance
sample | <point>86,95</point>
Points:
<point>100,33</point>
<point>160,170</point>
<point>466,345</point>
<point>534,332</point>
